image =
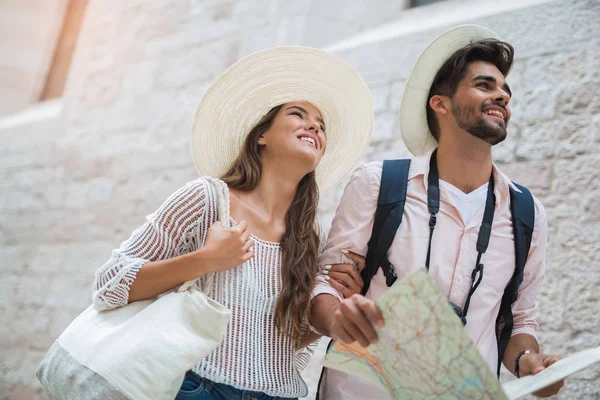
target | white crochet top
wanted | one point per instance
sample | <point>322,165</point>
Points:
<point>254,355</point>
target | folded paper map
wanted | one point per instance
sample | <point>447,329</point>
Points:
<point>424,352</point>
<point>554,373</point>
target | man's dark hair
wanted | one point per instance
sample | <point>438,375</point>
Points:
<point>454,69</point>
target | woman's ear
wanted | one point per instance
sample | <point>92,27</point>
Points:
<point>439,104</point>
<point>261,140</point>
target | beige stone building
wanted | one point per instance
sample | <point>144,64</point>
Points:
<point>93,140</point>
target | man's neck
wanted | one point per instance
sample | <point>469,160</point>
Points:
<point>466,166</point>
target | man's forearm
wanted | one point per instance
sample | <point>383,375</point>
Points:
<point>322,312</point>
<point>516,344</point>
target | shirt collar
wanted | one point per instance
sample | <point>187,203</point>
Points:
<point>419,167</point>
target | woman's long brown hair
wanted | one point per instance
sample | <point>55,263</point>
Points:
<point>300,242</point>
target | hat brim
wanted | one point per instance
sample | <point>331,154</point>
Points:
<point>247,90</point>
<point>413,107</point>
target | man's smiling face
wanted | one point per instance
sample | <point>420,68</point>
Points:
<point>480,103</point>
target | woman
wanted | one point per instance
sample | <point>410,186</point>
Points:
<point>277,126</point>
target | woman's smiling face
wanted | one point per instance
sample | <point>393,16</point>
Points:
<point>297,132</point>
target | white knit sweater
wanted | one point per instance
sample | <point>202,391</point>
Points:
<point>254,354</point>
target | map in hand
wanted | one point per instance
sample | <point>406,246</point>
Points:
<point>423,351</point>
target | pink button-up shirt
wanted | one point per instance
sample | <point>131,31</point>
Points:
<point>453,257</point>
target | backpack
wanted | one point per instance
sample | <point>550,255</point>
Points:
<point>388,216</point>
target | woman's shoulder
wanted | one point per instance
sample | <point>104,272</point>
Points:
<point>189,203</point>
<point>191,195</point>
<point>199,188</point>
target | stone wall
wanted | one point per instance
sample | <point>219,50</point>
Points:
<point>73,187</point>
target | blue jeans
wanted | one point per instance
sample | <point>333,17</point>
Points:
<point>195,387</point>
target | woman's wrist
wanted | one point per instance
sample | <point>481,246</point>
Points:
<point>200,262</point>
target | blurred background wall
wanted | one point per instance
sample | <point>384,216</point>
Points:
<point>94,136</point>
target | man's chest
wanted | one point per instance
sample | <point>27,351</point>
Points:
<point>453,247</point>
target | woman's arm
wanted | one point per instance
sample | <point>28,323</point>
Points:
<point>158,257</point>
<point>158,239</point>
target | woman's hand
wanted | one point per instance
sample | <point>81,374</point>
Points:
<point>346,278</point>
<point>227,248</point>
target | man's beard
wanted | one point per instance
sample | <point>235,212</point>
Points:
<point>478,126</point>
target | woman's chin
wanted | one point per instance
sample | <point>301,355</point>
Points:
<point>308,157</point>
<point>312,164</point>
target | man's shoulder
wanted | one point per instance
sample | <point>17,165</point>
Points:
<point>514,185</point>
<point>372,167</point>
<point>540,211</point>
<point>369,172</point>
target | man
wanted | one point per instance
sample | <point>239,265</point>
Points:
<point>455,107</point>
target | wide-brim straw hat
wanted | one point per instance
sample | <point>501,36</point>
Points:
<point>246,91</point>
<point>413,108</point>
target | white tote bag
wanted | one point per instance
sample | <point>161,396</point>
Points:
<point>140,351</point>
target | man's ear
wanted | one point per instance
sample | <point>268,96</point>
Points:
<point>439,104</point>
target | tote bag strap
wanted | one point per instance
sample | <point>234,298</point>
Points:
<point>221,192</point>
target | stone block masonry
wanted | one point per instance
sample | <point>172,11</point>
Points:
<point>72,187</point>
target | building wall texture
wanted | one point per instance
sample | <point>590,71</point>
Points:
<point>73,186</point>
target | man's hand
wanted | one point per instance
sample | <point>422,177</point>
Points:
<point>352,321</point>
<point>345,278</point>
<point>532,363</point>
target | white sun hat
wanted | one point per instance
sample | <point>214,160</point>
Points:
<point>247,90</point>
<point>413,108</point>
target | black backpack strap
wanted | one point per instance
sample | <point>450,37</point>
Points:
<point>523,215</point>
<point>388,216</point>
